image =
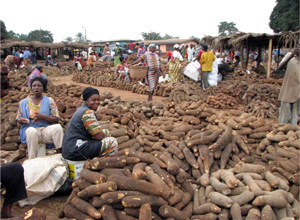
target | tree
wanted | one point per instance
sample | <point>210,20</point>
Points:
<point>69,39</point>
<point>12,35</point>
<point>22,37</point>
<point>4,34</point>
<point>285,16</point>
<point>151,36</point>
<point>167,36</point>
<point>40,35</point>
<point>79,37</point>
<point>226,28</point>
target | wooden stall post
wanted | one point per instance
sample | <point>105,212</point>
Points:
<point>270,58</point>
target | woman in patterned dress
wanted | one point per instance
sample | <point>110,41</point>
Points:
<point>175,65</point>
<point>84,138</point>
<point>152,61</point>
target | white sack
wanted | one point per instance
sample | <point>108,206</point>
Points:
<point>192,70</point>
<point>213,75</point>
<point>43,177</point>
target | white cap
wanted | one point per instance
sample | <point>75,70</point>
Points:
<point>176,46</point>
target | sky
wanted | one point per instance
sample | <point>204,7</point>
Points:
<point>115,19</point>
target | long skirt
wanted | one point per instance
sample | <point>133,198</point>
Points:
<point>117,61</point>
<point>175,70</point>
<point>152,77</point>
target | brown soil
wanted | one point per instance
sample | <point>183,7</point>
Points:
<point>125,95</point>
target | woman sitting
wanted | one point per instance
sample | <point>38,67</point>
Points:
<point>84,139</point>
<point>51,62</point>
<point>38,116</point>
<point>122,71</point>
<point>78,62</point>
<point>91,59</point>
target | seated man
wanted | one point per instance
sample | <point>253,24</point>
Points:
<point>51,62</point>
<point>38,116</point>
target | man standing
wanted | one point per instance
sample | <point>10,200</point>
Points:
<point>290,91</point>
<point>84,55</point>
<point>206,61</point>
<point>27,56</point>
<point>190,52</point>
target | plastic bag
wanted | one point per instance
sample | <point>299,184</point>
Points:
<point>192,70</point>
<point>213,75</point>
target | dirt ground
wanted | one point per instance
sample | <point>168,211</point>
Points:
<point>125,95</point>
<point>52,205</point>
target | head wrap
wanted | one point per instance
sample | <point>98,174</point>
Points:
<point>176,46</point>
<point>41,80</point>
<point>88,92</point>
<point>4,70</point>
<point>49,56</point>
<point>152,45</point>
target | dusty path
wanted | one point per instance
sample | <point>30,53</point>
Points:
<point>125,95</point>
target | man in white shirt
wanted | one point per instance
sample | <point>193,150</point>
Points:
<point>84,55</point>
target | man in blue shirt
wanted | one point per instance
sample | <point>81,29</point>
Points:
<point>26,56</point>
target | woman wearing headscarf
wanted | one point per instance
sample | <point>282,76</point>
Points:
<point>12,61</point>
<point>152,60</point>
<point>78,61</point>
<point>84,138</point>
<point>38,116</point>
<point>175,66</point>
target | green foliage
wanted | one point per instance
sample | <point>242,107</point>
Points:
<point>43,36</point>
<point>167,37</point>
<point>226,28</point>
<point>151,36</point>
<point>285,16</point>
<point>79,37</point>
<point>22,37</point>
<point>4,34</point>
<point>69,39</point>
<point>155,36</point>
<point>12,35</point>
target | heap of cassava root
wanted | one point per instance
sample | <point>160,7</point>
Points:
<point>194,163</point>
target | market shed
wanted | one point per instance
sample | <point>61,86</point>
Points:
<point>61,49</point>
<point>251,41</point>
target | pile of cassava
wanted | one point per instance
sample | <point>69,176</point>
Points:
<point>229,94</point>
<point>193,162</point>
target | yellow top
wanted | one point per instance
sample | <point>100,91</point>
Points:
<point>206,60</point>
